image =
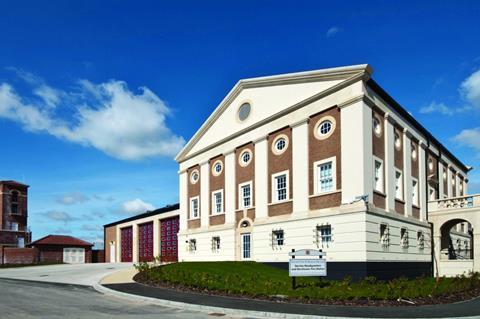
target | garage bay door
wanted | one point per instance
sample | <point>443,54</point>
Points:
<point>126,242</point>
<point>74,255</point>
<point>145,242</point>
<point>169,239</point>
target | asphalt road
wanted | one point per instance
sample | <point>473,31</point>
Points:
<point>78,274</point>
<point>24,300</point>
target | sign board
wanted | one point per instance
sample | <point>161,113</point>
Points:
<point>307,267</point>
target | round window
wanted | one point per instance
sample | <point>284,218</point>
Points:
<point>280,144</point>
<point>430,164</point>
<point>398,142</point>
<point>217,168</point>
<point>444,175</point>
<point>325,127</point>
<point>377,127</point>
<point>453,180</point>
<point>194,177</point>
<point>245,157</point>
<point>244,111</point>
<point>414,152</point>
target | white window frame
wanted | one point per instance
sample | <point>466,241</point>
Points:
<point>420,239</point>
<point>385,239</point>
<point>197,198</point>
<point>323,240</point>
<point>214,202</point>
<point>192,245</point>
<point>275,239</point>
<point>415,188</point>
<point>274,187</point>
<point>316,165</point>
<point>216,243</point>
<point>400,187</point>
<point>382,178</point>
<point>404,239</point>
<point>240,195</point>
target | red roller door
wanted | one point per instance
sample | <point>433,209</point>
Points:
<point>145,242</point>
<point>126,242</point>
<point>169,239</point>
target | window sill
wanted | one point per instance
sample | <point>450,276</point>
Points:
<point>380,193</point>
<point>325,193</point>
<point>217,214</point>
<point>281,202</point>
<point>415,206</point>
<point>244,208</point>
<point>195,218</point>
<point>400,200</point>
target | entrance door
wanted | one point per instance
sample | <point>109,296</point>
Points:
<point>145,242</point>
<point>126,241</point>
<point>169,239</point>
<point>246,246</point>
<point>112,252</point>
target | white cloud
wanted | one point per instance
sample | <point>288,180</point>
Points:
<point>59,216</point>
<point>435,107</point>
<point>333,31</point>
<point>92,227</point>
<point>470,138</point>
<point>72,198</point>
<point>470,89</point>
<point>49,95</point>
<point>469,92</point>
<point>108,116</point>
<point>136,206</point>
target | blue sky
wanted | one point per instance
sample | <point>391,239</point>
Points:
<point>97,97</point>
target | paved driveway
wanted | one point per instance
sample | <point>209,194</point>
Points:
<point>28,300</point>
<point>79,274</point>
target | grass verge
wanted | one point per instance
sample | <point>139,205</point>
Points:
<point>261,281</point>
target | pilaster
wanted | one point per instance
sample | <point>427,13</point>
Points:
<point>441,189</point>
<point>135,243</point>
<point>261,178</point>
<point>183,200</point>
<point>356,148</point>
<point>389,164</point>
<point>300,168</point>
<point>156,237</point>
<point>204,194</point>
<point>407,173</point>
<point>230,187</point>
<point>449,182</point>
<point>422,180</point>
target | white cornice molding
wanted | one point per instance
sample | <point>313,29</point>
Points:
<point>355,72</point>
<point>299,123</point>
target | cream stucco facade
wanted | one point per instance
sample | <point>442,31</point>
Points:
<point>357,238</point>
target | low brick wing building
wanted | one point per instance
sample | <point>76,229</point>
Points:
<point>60,248</point>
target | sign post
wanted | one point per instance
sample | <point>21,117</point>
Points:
<point>306,267</point>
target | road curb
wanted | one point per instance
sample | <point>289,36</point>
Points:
<point>207,309</point>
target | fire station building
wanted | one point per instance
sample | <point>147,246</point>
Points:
<point>143,237</point>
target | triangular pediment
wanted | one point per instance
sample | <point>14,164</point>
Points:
<point>267,96</point>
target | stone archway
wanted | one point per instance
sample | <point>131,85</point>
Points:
<point>445,215</point>
<point>456,242</point>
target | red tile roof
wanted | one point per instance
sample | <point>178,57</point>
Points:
<point>61,240</point>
